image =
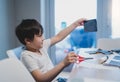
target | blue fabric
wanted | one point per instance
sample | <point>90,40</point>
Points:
<point>81,39</point>
<point>18,51</point>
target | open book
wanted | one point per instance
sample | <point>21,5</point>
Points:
<point>113,60</point>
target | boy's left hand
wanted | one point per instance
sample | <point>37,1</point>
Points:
<point>70,58</point>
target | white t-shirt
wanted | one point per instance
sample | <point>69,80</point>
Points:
<point>35,61</point>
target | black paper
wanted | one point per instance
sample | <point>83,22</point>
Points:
<point>90,25</point>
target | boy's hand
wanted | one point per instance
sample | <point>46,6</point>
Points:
<point>70,58</point>
<point>79,22</point>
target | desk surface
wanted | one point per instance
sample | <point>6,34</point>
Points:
<point>93,72</point>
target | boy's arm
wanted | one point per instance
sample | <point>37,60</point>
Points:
<point>48,76</point>
<point>62,34</point>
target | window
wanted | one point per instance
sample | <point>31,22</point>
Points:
<point>67,11</point>
<point>115,18</point>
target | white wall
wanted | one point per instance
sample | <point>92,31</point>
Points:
<point>6,26</point>
<point>26,9</point>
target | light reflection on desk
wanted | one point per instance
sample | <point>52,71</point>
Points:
<point>94,73</point>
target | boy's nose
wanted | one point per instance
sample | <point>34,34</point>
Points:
<point>43,38</point>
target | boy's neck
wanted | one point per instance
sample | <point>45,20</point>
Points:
<point>32,49</point>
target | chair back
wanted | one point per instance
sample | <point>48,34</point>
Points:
<point>12,70</point>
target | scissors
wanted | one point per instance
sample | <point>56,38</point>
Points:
<point>80,59</point>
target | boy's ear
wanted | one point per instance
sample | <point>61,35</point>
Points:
<point>27,41</point>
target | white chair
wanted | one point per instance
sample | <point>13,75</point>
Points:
<point>12,70</point>
<point>108,43</point>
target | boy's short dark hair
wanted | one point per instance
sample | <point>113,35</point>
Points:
<point>27,29</point>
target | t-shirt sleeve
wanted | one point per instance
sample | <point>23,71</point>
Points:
<point>29,62</point>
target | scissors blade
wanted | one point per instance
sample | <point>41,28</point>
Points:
<point>87,58</point>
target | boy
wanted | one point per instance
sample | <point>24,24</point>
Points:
<point>35,56</point>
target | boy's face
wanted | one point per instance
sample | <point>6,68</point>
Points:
<point>37,42</point>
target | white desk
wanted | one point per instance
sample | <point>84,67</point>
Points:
<point>92,71</point>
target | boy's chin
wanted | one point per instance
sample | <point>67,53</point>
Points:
<point>41,46</point>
